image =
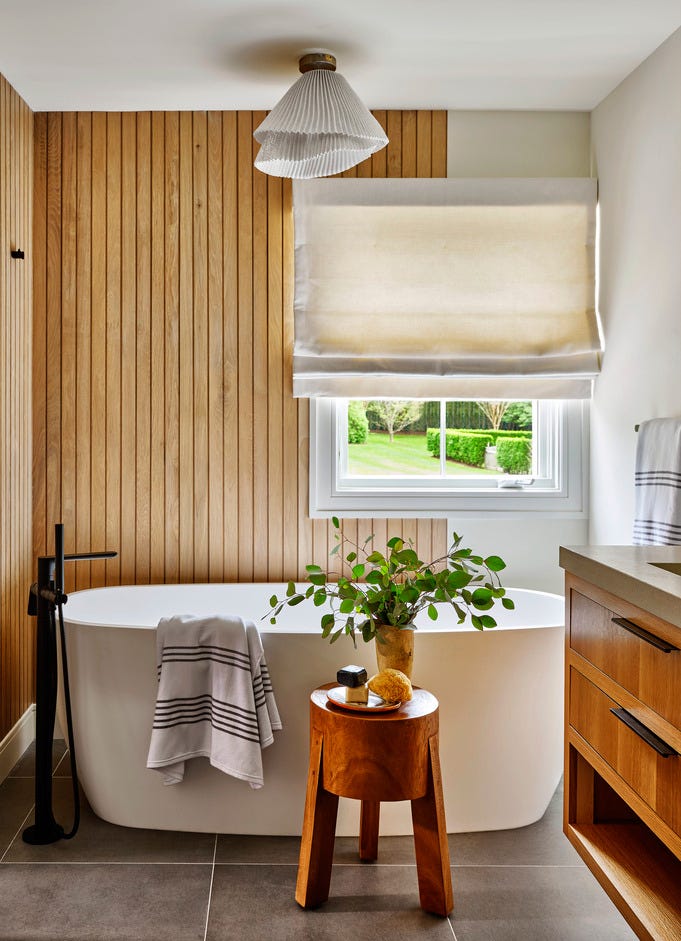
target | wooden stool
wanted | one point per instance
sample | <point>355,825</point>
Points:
<point>385,756</point>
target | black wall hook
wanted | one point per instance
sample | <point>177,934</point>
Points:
<point>17,253</point>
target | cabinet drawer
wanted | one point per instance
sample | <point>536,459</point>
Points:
<point>657,780</point>
<point>632,660</point>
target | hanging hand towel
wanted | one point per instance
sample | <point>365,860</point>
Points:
<point>214,699</point>
<point>657,516</point>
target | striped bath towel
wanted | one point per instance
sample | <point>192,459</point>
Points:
<point>657,515</point>
<point>214,699</point>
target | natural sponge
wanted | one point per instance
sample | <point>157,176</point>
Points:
<point>391,685</point>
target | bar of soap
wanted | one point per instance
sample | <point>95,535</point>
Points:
<point>357,694</point>
<point>351,676</point>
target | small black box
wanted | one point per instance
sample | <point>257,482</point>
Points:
<point>352,676</point>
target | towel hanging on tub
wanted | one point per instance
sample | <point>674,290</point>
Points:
<point>214,700</point>
<point>657,515</point>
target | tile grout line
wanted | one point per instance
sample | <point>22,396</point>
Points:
<point>27,777</point>
<point>577,865</point>
<point>163,862</point>
<point>93,862</point>
<point>210,888</point>
<point>21,825</point>
<point>56,767</point>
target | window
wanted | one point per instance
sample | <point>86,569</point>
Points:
<point>540,446</point>
<point>442,291</point>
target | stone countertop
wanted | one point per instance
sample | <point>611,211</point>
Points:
<point>626,571</point>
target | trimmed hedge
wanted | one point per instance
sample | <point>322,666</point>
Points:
<point>433,436</point>
<point>514,455</point>
<point>507,434</point>
<point>467,448</point>
<point>433,441</point>
<point>358,425</point>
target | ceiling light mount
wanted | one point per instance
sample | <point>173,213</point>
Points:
<point>320,126</point>
<point>317,60</point>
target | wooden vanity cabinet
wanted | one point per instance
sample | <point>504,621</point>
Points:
<point>622,809</point>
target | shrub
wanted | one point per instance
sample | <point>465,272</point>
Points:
<point>495,435</point>
<point>514,455</point>
<point>467,448</point>
<point>502,433</point>
<point>358,426</point>
<point>433,436</point>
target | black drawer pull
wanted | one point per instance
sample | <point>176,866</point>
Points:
<point>649,638</point>
<point>655,742</point>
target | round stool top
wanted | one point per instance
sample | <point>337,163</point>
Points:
<point>377,757</point>
<point>422,704</point>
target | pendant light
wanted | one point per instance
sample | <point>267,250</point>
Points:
<point>320,126</point>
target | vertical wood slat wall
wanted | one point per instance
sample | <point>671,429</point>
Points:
<point>162,345</point>
<point>16,208</point>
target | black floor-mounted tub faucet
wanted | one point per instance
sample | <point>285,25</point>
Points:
<point>45,599</point>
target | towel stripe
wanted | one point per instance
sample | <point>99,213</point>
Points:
<point>658,524</point>
<point>216,725</point>
<point>656,538</point>
<point>653,540</point>
<point>247,725</point>
<point>652,533</point>
<point>227,650</point>
<point>659,472</point>
<point>259,693</point>
<point>172,653</point>
<point>190,699</point>
<point>202,652</point>
<point>167,706</point>
<point>205,712</point>
<point>672,527</point>
<point>176,658</point>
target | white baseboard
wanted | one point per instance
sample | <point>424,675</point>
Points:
<point>17,740</point>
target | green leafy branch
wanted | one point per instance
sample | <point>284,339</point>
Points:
<point>393,589</point>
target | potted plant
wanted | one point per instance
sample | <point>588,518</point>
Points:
<point>386,592</point>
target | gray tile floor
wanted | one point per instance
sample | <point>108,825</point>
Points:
<point>132,885</point>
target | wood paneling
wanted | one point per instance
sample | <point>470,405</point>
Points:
<point>16,207</point>
<point>164,301</point>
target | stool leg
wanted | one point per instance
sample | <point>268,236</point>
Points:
<point>368,830</point>
<point>430,841</point>
<point>319,832</point>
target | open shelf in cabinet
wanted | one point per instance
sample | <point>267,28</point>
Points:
<point>639,873</point>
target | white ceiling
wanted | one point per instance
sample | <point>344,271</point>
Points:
<point>232,54</point>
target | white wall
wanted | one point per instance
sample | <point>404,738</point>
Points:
<point>528,546</point>
<point>636,143</point>
<point>520,144</point>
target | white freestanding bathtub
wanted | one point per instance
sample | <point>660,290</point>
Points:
<point>500,693</point>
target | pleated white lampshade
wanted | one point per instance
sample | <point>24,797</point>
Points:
<point>320,127</point>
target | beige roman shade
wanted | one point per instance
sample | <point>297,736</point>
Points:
<point>445,288</point>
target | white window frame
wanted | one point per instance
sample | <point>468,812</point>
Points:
<point>559,489</point>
